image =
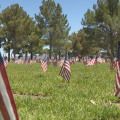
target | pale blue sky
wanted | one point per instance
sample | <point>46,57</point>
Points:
<point>75,9</point>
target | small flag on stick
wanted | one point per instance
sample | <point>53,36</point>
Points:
<point>117,79</point>
<point>26,62</point>
<point>44,65</point>
<point>8,110</point>
<point>112,64</point>
<point>65,70</point>
<point>5,63</point>
<point>92,62</point>
<point>54,63</point>
<point>48,62</point>
<point>29,61</point>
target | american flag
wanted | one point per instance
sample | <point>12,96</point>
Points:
<point>44,65</point>
<point>26,62</point>
<point>65,70</point>
<point>54,63</point>
<point>29,61</point>
<point>71,62</point>
<point>49,62</point>
<point>8,110</point>
<point>112,64</point>
<point>117,79</point>
<point>100,60</point>
<point>61,63</point>
<point>92,62</point>
<point>5,63</point>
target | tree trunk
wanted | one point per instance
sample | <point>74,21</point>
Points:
<point>112,45</point>
<point>0,42</point>
<point>50,54</point>
<point>25,56</point>
<point>56,56</point>
<point>59,54</point>
<point>31,56</point>
<point>8,54</point>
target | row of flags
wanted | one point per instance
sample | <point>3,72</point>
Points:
<point>8,109</point>
<point>93,61</point>
<point>65,70</point>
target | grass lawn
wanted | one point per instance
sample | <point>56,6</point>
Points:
<point>46,96</point>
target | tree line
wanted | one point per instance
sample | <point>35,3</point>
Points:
<point>23,34</point>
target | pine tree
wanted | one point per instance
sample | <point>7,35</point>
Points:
<point>103,24</point>
<point>53,24</point>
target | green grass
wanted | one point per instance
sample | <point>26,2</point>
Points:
<point>55,99</point>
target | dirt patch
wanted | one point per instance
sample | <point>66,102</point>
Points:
<point>32,96</point>
<point>115,104</point>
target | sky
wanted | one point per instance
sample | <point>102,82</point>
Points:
<point>74,9</point>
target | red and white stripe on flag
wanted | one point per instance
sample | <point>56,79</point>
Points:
<point>92,62</point>
<point>54,63</point>
<point>117,80</point>
<point>44,66</point>
<point>5,63</point>
<point>30,61</point>
<point>112,64</point>
<point>8,110</point>
<point>65,71</point>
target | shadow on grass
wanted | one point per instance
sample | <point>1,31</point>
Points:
<point>41,75</point>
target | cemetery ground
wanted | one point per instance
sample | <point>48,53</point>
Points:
<point>46,96</point>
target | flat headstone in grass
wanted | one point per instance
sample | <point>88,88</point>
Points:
<point>115,104</point>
